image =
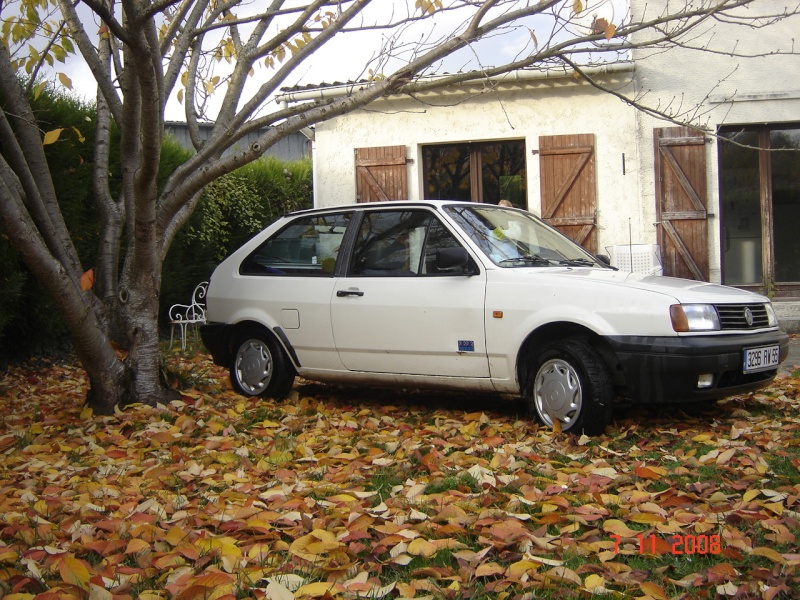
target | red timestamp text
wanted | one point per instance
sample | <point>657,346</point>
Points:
<point>675,544</point>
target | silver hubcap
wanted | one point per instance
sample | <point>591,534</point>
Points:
<point>557,392</point>
<point>253,366</point>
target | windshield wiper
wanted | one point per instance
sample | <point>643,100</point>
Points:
<point>528,258</point>
<point>577,262</point>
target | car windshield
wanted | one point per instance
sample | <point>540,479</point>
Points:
<point>512,238</point>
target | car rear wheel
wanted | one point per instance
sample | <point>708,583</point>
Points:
<point>260,366</point>
<point>571,384</point>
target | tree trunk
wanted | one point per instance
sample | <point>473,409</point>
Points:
<point>136,377</point>
<point>140,317</point>
<point>108,386</point>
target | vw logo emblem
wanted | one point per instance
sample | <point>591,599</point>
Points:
<point>748,316</point>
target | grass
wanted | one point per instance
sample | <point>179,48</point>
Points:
<point>382,482</point>
<point>464,483</point>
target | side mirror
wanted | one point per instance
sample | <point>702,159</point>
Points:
<point>450,258</point>
<point>604,258</point>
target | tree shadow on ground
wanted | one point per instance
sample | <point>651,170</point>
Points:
<point>505,406</point>
<point>626,415</point>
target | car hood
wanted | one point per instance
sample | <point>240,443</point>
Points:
<point>683,290</point>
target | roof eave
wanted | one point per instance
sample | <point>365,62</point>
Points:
<point>514,78</point>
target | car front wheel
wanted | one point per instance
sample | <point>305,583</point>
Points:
<point>571,384</point>
<point>260,367</point>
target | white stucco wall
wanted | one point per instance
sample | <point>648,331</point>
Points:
<point>523,113</point>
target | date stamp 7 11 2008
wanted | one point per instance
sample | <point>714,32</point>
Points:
<point>675,544</point>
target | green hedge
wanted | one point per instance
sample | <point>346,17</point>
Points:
<point>231,210</point>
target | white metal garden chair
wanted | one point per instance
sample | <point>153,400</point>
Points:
<point>187,315</point>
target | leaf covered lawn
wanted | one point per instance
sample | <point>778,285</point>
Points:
<point>348,493</point>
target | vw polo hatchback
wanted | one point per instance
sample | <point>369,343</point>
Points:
<point>473,297</point>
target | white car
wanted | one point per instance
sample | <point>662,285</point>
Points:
<point>475,297</point>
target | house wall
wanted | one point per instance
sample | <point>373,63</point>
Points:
<point>716,89</point>
<point>522,112</point>
<point>711,89</point>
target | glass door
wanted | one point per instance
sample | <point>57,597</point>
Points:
<point>785,167</point>
<point>759,186</point>
<point>741,209</point>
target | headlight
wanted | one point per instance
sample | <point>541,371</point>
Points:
<point>694,317</point>
<point>773,320</point>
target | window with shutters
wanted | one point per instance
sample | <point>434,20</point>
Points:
<point>478,171</point>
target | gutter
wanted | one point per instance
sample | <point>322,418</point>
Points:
<point>521,76</point>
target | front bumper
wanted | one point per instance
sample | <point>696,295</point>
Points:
<point>666,369</point>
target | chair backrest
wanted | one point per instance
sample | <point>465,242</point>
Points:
<point>195,311</point>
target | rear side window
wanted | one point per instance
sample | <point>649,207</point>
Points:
<point>306,247</point>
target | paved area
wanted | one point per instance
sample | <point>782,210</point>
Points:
<point>792,362</point>
<point>788,313</point>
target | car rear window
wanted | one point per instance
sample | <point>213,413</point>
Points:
<point>306,247</point>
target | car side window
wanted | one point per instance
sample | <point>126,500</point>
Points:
<point>306,247</point>
<point>439,238</point>
<point>400,244</point>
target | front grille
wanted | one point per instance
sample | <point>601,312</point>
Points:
<point>734,316</point>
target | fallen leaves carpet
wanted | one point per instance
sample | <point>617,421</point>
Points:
<point>355,493</point>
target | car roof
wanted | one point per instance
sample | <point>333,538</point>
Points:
<point>386,204</point>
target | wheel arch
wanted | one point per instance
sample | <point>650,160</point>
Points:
<point>276,333</point>
<point>536,340</point>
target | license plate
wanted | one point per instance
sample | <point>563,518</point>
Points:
<point>761,359</point>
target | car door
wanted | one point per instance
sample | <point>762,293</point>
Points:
<point>396,311</point>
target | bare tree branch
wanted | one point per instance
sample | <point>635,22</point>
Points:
<point>22,148</point>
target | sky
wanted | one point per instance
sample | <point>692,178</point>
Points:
<point>347,58</point>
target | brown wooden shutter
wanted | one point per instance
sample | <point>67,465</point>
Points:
<point>681,201</point>
<point>569,187</point>
<point>381,174</point>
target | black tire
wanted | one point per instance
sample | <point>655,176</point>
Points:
<point>570,382</point>
<point>260,367</point>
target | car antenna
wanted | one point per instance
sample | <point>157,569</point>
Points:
<point>630,243</point>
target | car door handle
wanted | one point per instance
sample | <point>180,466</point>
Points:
<point>343,293</point>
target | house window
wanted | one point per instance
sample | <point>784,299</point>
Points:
<point>759,170</point>
<point>479,172</point>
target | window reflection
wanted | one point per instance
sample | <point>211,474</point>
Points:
<point>483,172</point>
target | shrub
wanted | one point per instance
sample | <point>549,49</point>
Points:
<point>236,206</point>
